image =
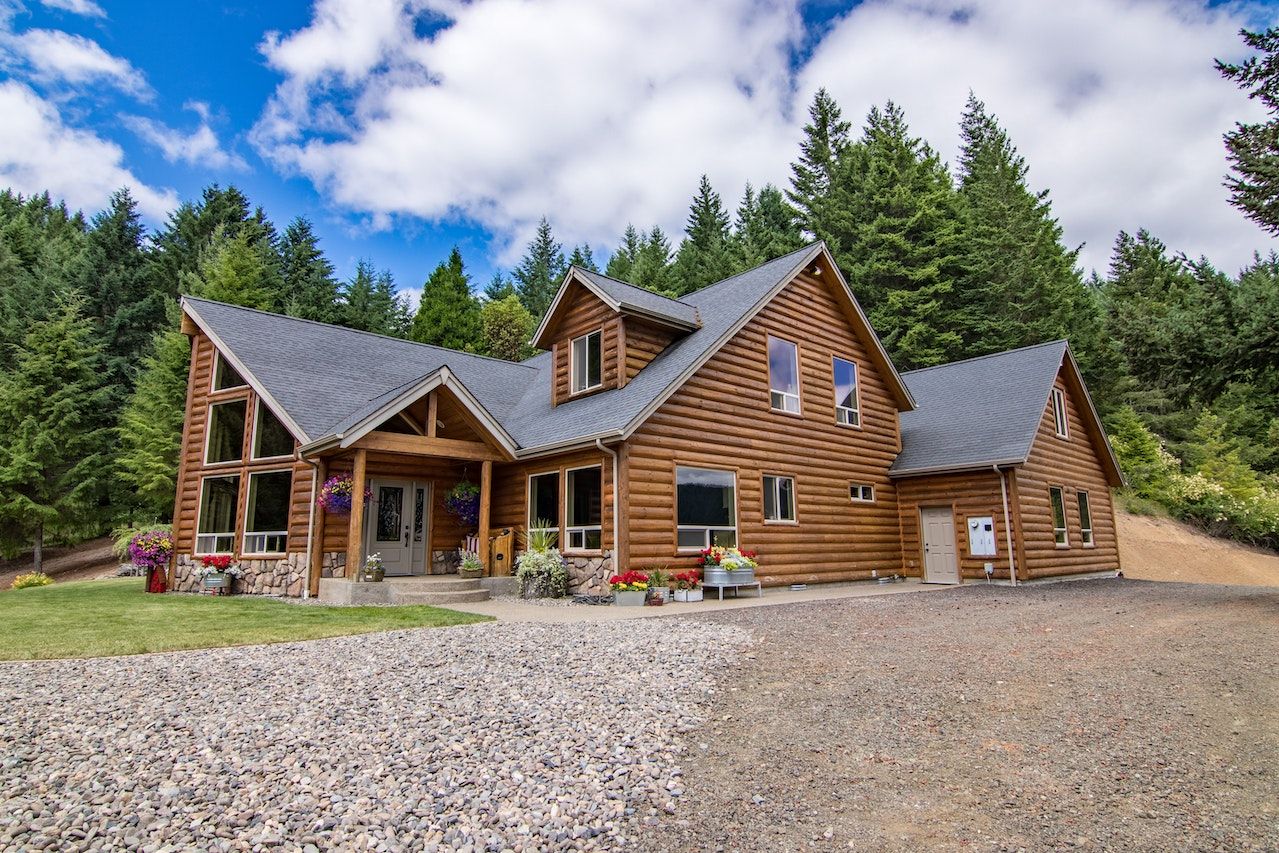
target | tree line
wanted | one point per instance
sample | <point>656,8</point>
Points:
<point>949,262</point>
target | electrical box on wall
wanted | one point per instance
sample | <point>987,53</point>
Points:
<point>981,536</point>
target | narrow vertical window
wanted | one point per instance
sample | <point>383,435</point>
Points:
<point>584,501</point>
<point>1085,519</point>
<point>225,441</point>
<point>1056,497</point>
<point>783,375</point>
<point>586,362</point>
<point>779,498</point>
<point>847,408</point>
<point>544,501</point>
<point>215,526</point>
<point>1060,421</point>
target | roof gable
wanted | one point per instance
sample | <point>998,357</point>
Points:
<point>621,298</point>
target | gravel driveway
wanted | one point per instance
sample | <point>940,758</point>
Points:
<point>1120,715</point>
<point>484,737</point>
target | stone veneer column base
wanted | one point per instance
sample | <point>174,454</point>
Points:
<point>589,575</point>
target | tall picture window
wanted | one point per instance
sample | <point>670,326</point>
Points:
<point>215,526</point>
<point>779,498</point>
<point>1057,499</point>
<point>225,442</point>
<point>705,508</point>
<point>266,520</point>
<point>783,375</point>
<point>847,408</point>
<point>544,501</point>
<point>270,437</point>
<point>1085,519</point>
<point>584,502</point>
<point>587,358</point>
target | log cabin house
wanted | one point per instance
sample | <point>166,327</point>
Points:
<point>761,411</point>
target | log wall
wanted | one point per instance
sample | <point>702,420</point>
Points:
<point>584,312</point>
<point>967,495</point>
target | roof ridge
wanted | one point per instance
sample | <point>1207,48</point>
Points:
<point>349,329</point>
<point>803,248</point>
<point>987,355</point>
<point>628,284</point>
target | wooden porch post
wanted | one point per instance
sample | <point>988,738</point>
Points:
<point>486,490</point>
<point>321,473</point>
<point>354,535</point>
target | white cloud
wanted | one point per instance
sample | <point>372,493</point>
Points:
<point>87,8</point>
<point>39,152</point>
<point>57,56</point>
<point>199,147</point>
<point>602,114</point>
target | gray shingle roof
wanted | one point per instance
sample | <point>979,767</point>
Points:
<point>977,412</point>
<point>645,301</point>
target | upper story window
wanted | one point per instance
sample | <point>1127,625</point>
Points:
<point>544,501</point>
<point>1060,421</point>
<point>861,493</point>
<point>225,377</point>
<point>779,498</point>
<point>584,502</point>
<point>270,437</point>
<point>783,375</point>
<point>586,362</point>
<point>705,508</point>
<point>1057,499</point>
<point>848,409</point>
<point>225,442</point>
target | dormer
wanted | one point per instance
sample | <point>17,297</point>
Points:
<point>602,332</point>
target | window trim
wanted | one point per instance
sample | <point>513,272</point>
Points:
<point>1064,530</point>
<point>857,392</point>
<point>208,432</point>
<point>528,504</point>
<point>213,375</point>
<point>573,391</point>
<point>1061,417</point>
<point>1086,537</point>
<point>860,500</point>
<point>794,499</point>
<point>199,513</point>
<point>244,537</point>
<point>737,509</point>
<point>564,525</point>
<point>253,442</point>
<point>799,379</point>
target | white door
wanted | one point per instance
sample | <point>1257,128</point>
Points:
<point>390,529</point>
<point>941,564</point>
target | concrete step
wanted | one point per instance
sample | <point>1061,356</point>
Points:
<point>435,583</point>
<point>419,595</point>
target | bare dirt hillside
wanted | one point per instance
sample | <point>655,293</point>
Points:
<point>92,559</point>
<point>1161,549</point>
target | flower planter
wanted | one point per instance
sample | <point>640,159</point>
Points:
<point>688,594</point>
<point>629,597</point>
<point>372,575</point>
<point>218,583</point>
<point>660,594</point>
<point>471,573</point>
<point>719,576</point>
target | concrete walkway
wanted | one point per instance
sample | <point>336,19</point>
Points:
<point>507,609</point>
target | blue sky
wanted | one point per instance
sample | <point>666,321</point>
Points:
<point>403,128</point>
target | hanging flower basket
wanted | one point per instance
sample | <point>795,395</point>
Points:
<point>335,494</point>
<point>463,501</point>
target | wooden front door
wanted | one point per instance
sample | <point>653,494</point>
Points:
<point>941,563</point>
<point>390,527</point>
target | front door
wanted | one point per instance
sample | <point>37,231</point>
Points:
<point>390,531</point>
<point>941,564</point>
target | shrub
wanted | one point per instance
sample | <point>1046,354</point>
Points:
<point>31,579</point>
<point>542,574</point>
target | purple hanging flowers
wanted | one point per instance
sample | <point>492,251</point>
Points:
<point>335,494</point>
<point>463,501</point>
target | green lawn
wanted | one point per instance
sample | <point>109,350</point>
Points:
<point>115,617</point>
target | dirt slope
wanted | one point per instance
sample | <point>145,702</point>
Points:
<point>92,559</point>
<point>1161,549</point>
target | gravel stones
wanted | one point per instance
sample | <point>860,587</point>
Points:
<point>487,737</point>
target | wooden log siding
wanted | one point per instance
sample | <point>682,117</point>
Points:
<point>1072,463</point>
<point>510,492</point>
<point>192,470</point>
<point>721,419</point>
<point>967,494</point>
<point>644,342</point>
<point>584,313</point>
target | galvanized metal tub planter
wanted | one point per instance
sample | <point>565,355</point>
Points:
<point>629,597</point>
<point>720,576</point>
<point>688,595</point>
<point>217,583</point>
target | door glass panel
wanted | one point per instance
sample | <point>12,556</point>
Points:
<point>390,506</point>
<point>419,516</point>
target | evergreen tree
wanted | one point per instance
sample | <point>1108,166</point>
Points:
<point>370,303</point>
<point>766,228</point>
<point>54,437</point>
<point>507,327</point>
<point>499,287</point>
<point>241,270</point>
<point>621,264</point>
<point>705,256</point>
<point>309,289</point>
<point>653,269</point>
<point>538,276</point>
<point>448,315</point>
<point>813,175</point>
<point>119,296</point>
<point>181,244</point>
<point>1253,148</point>
<point>583,258</point>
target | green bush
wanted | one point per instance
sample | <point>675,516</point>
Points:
<point>31,579</point>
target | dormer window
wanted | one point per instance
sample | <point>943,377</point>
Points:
<point>587,362</point>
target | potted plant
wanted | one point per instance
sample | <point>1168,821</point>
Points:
<point>217,573</point>
<point>658,587</point>
<point>688,586</point>
<point>150,550</point>
<point>727,566</point>
<point>629,588</point>
<point>541,570</point>
<point>471,565</point>
<point>335,494</point>
<point>463,501</point>
<point>373,570</point>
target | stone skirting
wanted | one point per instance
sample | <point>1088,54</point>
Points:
<point>283,576</point>
<point>589,575</point>
<point>333,565</point>
<point>446,562</point>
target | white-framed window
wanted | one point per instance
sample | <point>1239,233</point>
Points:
<point>779,499</point>
<point>586,362</point>
<point>266,516</point>
<point>848,410</point>
<point>271,439</point>
<point>225,377</point>
<point>215,524</point>
<point>1057,499</point>
<point>584,505</point>
<point>1060,421</point>
<point>783,375</point>
<point>544,501</point>
<point>862,493</point>
<point>224,432</point>
<point>705,508</point>
<point>1085,520</point>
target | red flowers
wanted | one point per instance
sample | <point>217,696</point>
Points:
<point>217,562</point>
<point>630,580</point>
<point>690,579</point>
